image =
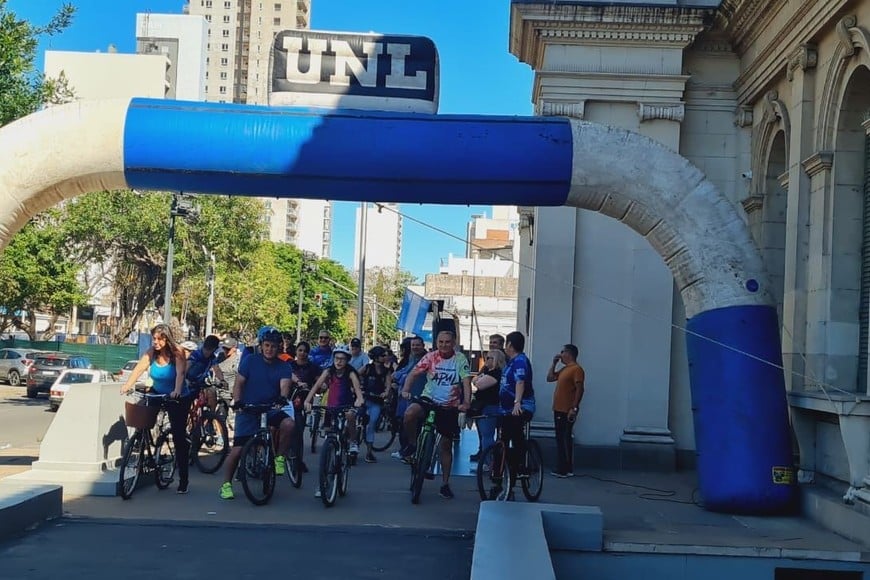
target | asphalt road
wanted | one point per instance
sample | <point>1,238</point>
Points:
<point>23,421</point>
<point>130,550</point>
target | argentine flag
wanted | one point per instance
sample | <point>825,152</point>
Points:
<point>413,313</point>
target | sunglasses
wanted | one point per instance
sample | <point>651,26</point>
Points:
<point>322,338</point>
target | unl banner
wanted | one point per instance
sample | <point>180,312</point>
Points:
<point>354,71</point>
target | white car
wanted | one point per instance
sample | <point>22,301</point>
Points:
<point>75,377</point>
<point>127,370</point>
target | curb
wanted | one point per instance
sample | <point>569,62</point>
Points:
<point>24,507</point>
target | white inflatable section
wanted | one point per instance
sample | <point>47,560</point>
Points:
<point>659,194</point>
<point>57,154</point>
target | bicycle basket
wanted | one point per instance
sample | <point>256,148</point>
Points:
<point>139,415</point>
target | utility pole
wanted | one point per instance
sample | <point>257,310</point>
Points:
<point>209,314</point>
<point>307,258</point>
<point>361,284</point>
<point>170,255</point>
<point>182,206</point>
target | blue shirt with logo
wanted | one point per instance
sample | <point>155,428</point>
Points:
<point>517,369</point>
<point>198,366</point>
<point>322,357</point>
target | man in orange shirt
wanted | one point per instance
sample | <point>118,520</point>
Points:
<point>569,381</point>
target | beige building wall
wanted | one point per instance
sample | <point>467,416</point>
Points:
<point>109,75</point>
<point>772,101</point>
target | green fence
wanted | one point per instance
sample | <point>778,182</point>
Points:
<point>110,357</point>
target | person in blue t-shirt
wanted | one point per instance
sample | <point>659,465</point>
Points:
<point>263,379</point>
<point>321,355</point>
<point>202,362</point>
<point>516,398</point>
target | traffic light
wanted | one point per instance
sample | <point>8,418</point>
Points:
<point>318,298</point>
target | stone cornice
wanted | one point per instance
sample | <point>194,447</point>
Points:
<point>744,116</point>
<point>547,108</point>
<point>667,111</point>
<point>817,162</point>
<point>535,25</point>
<point>752,203</point>
<point>804,57</point>
<point>810,17</point>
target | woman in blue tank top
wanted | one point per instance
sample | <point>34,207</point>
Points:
<point>166,363</point>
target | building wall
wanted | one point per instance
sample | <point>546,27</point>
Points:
<point>383,237</point>
<point>109,75</point>
<point>184,39</point>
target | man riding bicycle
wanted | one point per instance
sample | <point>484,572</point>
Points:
<point>445,371</point>
<point>200,364</point>
<point>516,397</point>
<point>263,379</point>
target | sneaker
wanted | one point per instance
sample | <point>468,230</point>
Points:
<point>370,457</point>
<point>408,452</point>
<point>569,474</point>
<point>227,491</point>
<point>353,448</point>
<point>474,456</point>
<point>559,474</point>
<point>182,488</point>
<point>396,454</point>
<point>280,465</point>
<point>445,492</point>
<point>522,473</point>
<point>317,493</point>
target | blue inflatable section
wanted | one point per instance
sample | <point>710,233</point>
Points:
<point>347,155</point>
<point>742,433</point>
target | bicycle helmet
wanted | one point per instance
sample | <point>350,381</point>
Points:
<point>377,352</point>
<point>272,336</point>
<point>341,349</point>
<point>261,334</point>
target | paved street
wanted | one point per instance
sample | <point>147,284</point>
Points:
<point>135,550</point>
<point>23,423</point>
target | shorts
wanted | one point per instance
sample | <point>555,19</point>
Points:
<point>446,419</point>
<point>247,424</point>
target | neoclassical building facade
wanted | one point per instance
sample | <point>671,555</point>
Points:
<point>771,99</point>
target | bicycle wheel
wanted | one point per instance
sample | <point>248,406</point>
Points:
<point>131,465</point>
<point>344,474</point>
<point>425,450</point>
<point>329,472</point>
<point>164,460</point>
<point>315,429</point>
<point>293,469</point>
<point>258,471</point>
<point>493,475</point>
<point>384,441</point>
<point>209,443</point>
<point>533,482</point>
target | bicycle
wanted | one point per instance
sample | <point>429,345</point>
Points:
<point>493,469</point>
<point>257,462</point>
<point>144,452</point>
<point>209,437</point>
<point>334,456</point>
<point>425,460</point>
<point>388,422</point>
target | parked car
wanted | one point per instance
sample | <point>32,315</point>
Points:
<point>15,364</point>
<point>70,377</point>
<point>127,370</point>
<point>48,366</point>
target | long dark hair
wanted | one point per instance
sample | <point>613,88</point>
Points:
<point>405,352</point>
<point>163,331</point>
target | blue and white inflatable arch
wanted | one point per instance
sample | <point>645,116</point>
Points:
<point>741,417</point>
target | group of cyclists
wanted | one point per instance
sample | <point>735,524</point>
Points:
<point>296,379</point>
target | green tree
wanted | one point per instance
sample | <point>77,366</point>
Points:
<point>23,89</point>
<point>319,277</point>
<point>37,276</point>
<point>385,288</point>
<point>125,233</point>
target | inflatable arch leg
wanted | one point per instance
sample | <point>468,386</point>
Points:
<point>741,418</point>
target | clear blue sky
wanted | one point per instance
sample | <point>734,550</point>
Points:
<point>478,76</point>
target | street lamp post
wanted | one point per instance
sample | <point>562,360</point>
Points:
<point>182,206</point>
<point>361,284</point>
<point>307,266</point>
<point>209,314</point>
